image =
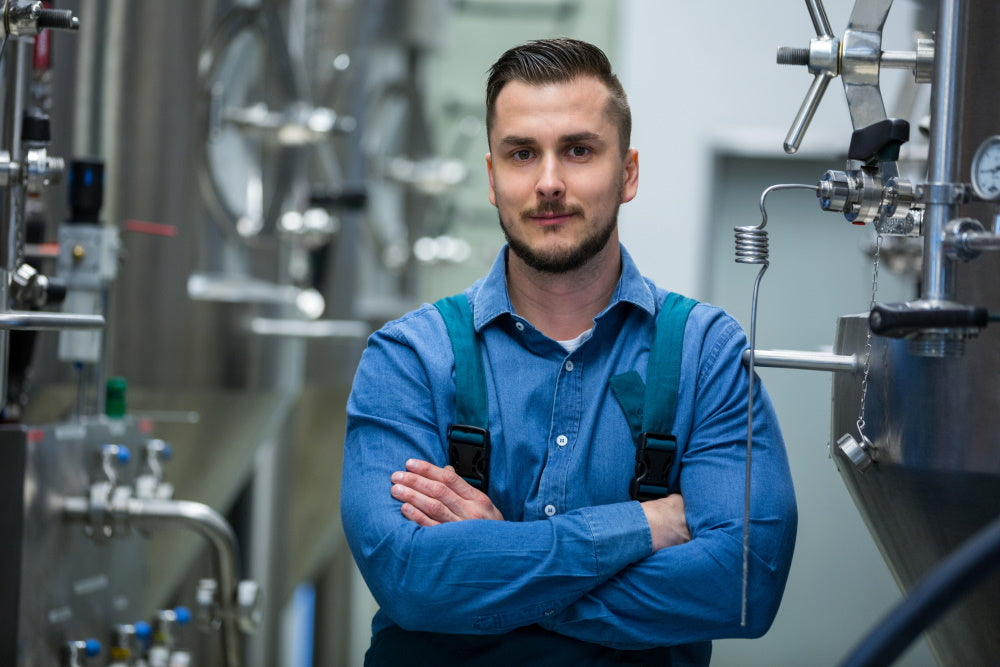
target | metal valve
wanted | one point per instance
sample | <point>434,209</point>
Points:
<point>151,484</point>
<point>857,59</point>
<point>207,599</point>
<point>869,190</point>
<point>76,653</point>
<point>298,125</point>
<point>249,600</point>
<point>33,290</point>
<point>30,18</point>
<point>107,493</point>
<point>163,652</point>
<point>247,610</point>
<point>38,170</point>
<point>823,60</point>
<point>128,641</point>
<point>41,169</point>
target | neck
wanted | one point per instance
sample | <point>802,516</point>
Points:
<point>564,305</point>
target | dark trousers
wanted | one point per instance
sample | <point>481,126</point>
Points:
<point>530,646</point>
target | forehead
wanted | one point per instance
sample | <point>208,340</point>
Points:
<point>580,104</point>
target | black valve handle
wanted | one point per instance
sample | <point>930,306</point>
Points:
<point>879,142</point>
<point>897,320</point>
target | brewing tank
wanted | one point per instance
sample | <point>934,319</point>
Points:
<point>933,420</point>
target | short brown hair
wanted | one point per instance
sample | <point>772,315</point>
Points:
<point>557,61</point>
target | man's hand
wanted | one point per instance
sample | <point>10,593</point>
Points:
<point>433,495</point>
<point>667,522</point>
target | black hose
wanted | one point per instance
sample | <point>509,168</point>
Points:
<point>942,587</point>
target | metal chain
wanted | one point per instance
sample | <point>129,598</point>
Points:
<point>868,345</point>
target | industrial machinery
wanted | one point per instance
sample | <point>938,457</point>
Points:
<point>212,264</point>
<point>85,492</point>
<point>915,383</point>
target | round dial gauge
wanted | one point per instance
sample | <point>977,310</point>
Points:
<point>986,169</point>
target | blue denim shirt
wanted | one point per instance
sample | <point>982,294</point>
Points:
<point>574,553</point>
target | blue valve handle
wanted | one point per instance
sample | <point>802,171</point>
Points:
<point>120,452</point>
<point>143,630</point>
<point>183,615</point>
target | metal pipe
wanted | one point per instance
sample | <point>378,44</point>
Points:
<point>898,60</point>
<point>153,513</point>
<point>818,15</point>
<point>946,113</point>
<point>266,326</point>
<point>807,361</point>
<point>971,242</point>
<point>39,321</point>
<point>211,525</point>
<point>13,80</point>
<point>14,60</point>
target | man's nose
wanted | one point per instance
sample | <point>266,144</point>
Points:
<point>551,184</point>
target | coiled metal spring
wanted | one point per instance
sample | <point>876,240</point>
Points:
<point>751,245</point>
<point>752,248</point>
<point>751,241</point>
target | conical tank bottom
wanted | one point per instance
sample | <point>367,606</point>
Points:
<point>936,476</point>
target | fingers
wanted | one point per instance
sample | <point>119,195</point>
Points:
<point>446,476</point>
<point>416,516</point>
<point>440,495</point>
<point>430,498</point>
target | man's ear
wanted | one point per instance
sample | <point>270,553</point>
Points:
<point>489,172</point>
<point>630,182</point>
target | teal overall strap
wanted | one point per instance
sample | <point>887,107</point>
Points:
<point>663,372</point>
<point>650,408</point>
<point>468,437</point>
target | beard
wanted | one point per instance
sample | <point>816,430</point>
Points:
<point>561,260</point>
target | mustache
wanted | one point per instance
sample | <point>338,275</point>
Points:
<point>551,208</point>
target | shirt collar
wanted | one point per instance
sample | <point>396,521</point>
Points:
<point>490,298</point>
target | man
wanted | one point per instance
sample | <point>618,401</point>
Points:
<point>556,565</point>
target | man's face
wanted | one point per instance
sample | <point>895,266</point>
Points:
<point>557,175</point>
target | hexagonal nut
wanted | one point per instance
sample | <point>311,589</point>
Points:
<point>249,600</point>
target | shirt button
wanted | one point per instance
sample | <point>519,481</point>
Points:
<point>562,440</point>
<point>569,366</point>
<point>550,510</point>
<point>519,326</point>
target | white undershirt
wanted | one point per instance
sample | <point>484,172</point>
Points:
<point>573,344</point>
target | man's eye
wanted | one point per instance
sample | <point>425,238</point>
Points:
<point>522,155</point>
<point>579,151</point>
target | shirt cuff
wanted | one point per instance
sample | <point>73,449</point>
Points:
<point>621,536</point>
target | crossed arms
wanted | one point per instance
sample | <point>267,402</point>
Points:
<point>432,495</point>
<point>439,556</point>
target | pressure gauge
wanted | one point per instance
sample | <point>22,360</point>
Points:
<point>986,169</point>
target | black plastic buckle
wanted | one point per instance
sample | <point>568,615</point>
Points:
<point>469,454</point>
<point>653,457</point>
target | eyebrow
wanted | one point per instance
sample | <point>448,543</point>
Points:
<point>514,140</point>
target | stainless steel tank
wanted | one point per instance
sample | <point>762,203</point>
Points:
<point>936,476</point>
<point>933,420</point>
